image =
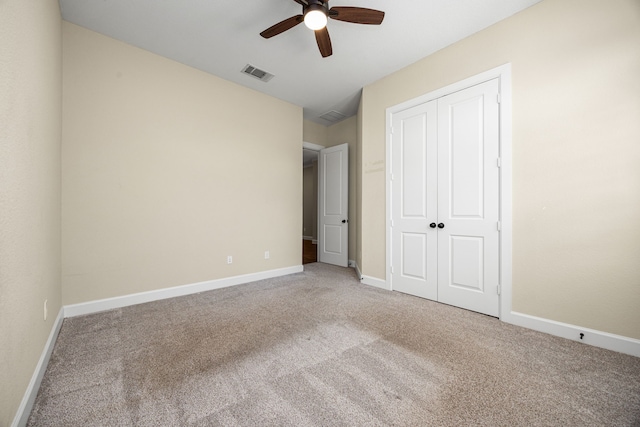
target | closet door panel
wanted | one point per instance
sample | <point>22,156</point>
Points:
<point>468,198</point>
<point>414,201</point>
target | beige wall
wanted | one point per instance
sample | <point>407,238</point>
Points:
<point>30,129</point>
<point>576,155</point>
<point>167,170</point>
<point>314,133</point>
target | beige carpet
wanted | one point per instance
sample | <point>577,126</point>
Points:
<point>320,349</point>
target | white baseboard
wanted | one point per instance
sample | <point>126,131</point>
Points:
<point>24,410</point>
<point>378,283</point>
<point>591,336</point>
<point>160,294</point>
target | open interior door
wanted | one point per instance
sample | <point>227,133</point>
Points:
<point>333,192</point>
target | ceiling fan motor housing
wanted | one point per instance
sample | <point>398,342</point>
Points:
<point>316,5</point>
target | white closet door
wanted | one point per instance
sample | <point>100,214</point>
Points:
<point>414,207</point>
<point>468,198</point>
<point>445,174</point>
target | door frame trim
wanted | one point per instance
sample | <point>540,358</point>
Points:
<point>503,74</point>
<point>312,146</point>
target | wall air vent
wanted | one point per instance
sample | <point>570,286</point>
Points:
<point>333,116</point>
<point>257,73</point>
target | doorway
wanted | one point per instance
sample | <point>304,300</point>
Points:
<point>327,178</point>
<point>309,205</point>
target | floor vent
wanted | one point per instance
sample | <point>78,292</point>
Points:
<point>333,116</point>
<point>257,73</point>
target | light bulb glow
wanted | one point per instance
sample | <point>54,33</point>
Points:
<point>315,19</point>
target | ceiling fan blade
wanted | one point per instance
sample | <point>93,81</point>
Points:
<point>282,26</point>
<point>357,15</point>
<point>324,42</point>
<point>301,2</point>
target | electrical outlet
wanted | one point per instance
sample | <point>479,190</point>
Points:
<point>229,259</point>
<point>45,309</point>
<point>266,255</point>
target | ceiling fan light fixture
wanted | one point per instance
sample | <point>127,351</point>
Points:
<point>315,14</point>
<point>315,18</point>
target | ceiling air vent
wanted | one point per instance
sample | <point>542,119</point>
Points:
<point>333,116</point>
<point>257,73</point>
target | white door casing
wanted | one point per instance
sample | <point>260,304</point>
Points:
<point>444,199</point>
<point>333,192</point>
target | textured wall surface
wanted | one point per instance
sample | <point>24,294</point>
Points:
<point>30,130</point>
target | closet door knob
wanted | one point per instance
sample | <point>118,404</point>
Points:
<point>441,225</point>
<point>432,225</point>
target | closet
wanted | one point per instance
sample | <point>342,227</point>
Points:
<point>445,199</point>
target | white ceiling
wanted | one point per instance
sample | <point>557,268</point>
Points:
<point>222,36</point>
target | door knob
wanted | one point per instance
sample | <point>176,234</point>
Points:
<point>441,225</point>
<point>432,225</point>
<point>344,221</point>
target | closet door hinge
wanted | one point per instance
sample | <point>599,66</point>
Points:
<point>498,289</point>
<point>392,269</point>
<point>499,162</point>
<point>499,226</point>
<point>498,98</point>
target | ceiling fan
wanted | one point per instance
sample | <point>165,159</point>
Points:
<point>315,14</point>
